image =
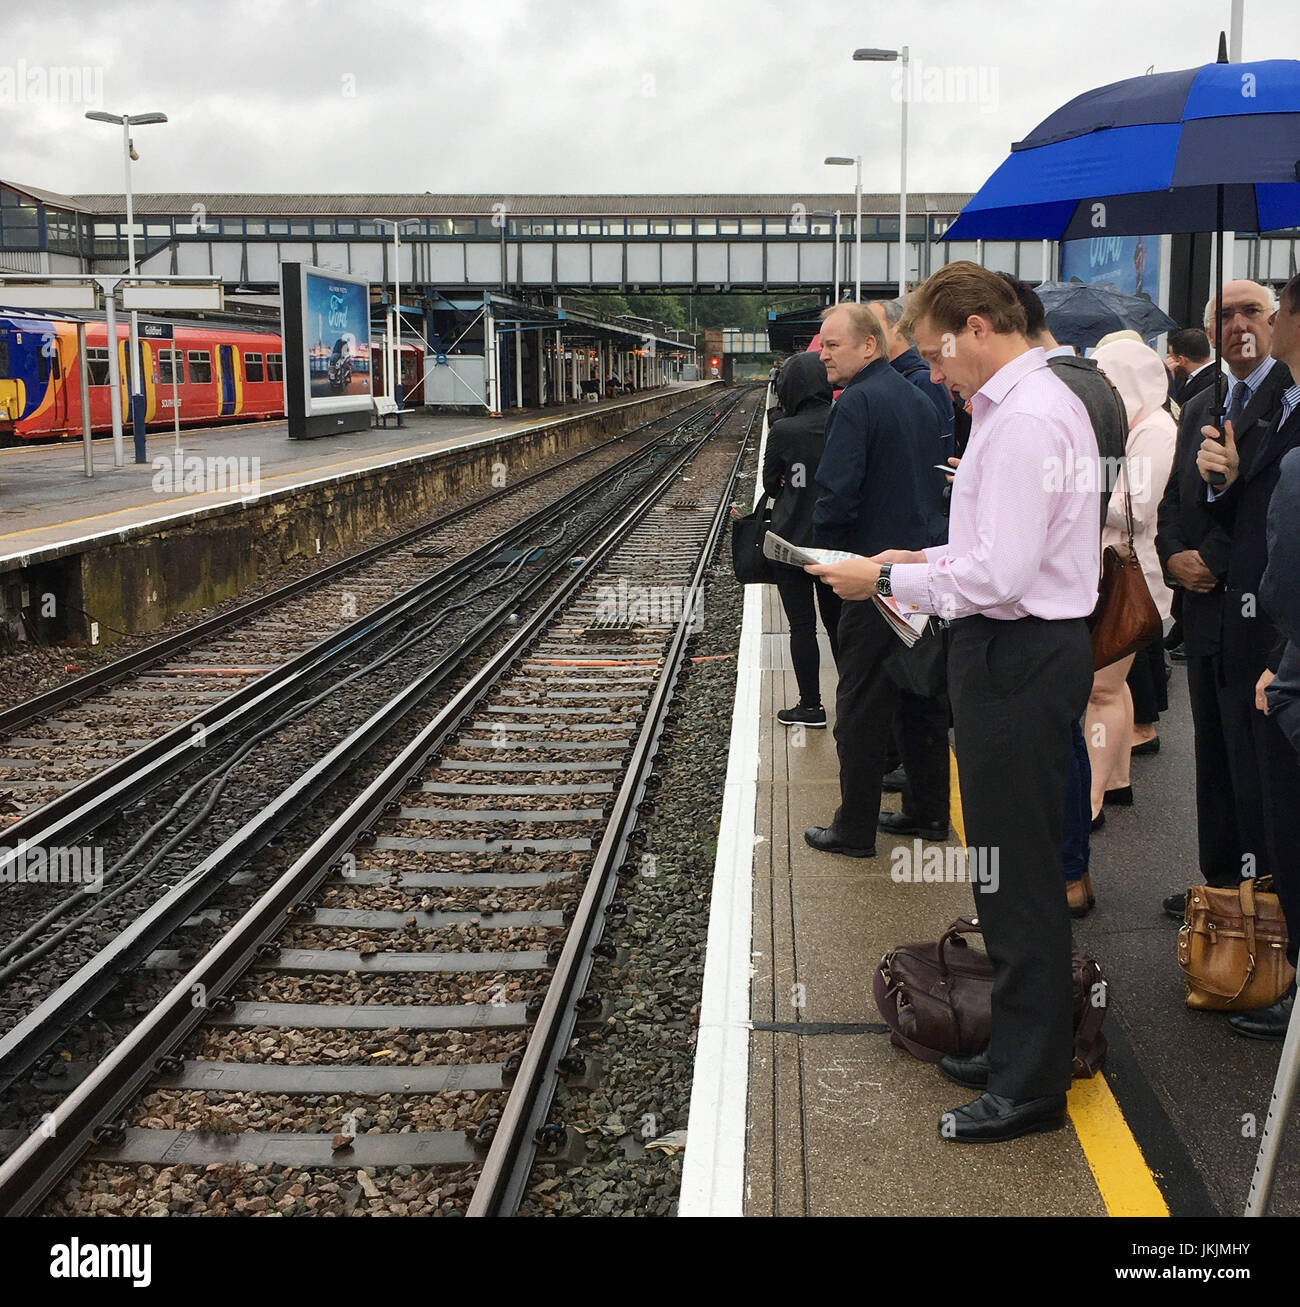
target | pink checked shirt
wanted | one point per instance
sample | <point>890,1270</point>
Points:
<point>1022,528</point>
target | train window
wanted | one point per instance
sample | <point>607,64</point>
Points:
<point>4,358</point>
<point>97,366</point>
<point>200,366</point>
<point>167,359</point>
<point>253,369</point>
<point>275,367</point>
<point>42,364</point>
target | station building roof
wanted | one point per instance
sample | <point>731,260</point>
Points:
<point>284,204</point>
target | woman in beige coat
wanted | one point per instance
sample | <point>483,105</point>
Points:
<point>1138,373</point>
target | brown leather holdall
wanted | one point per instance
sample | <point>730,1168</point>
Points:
<point>937,998</point>
<point>1232,947</point>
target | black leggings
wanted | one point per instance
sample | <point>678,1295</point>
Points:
<point>796,588</point>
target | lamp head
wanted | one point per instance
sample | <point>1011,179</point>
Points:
<point>872,55</point>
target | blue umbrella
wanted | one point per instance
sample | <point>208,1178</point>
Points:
<point>1195,150</point>
<point>1172,152</point>
<point>1081,314</point>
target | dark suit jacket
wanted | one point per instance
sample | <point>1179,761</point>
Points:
<point>879,489</point>
<point>1184,519</point>
<point>1280,588</point>
<point>1194,385</point>
<point>1250,639</point>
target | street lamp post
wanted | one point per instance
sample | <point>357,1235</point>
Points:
<point>395,371</point>
<point>126,122</point>
<point>857,223</point>
<point>889,56</point>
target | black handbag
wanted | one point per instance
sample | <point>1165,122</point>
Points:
<point>752,566</point>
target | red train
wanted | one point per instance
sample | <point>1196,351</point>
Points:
<point>223,374</point>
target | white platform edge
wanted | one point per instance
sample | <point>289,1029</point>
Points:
<point>713,1168</point>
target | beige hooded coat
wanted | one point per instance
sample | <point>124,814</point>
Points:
<point>1139,375</point>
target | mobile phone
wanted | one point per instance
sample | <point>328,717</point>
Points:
<point>943,467</point>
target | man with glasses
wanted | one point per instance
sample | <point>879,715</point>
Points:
<point>1195,545</point>
<point>1265,778</point>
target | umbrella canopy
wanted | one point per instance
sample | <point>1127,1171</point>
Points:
<point>1151,154</point>
<point>1081,315</point>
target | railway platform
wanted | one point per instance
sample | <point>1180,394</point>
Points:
<point>802,1106</point>
<point>235,488</point>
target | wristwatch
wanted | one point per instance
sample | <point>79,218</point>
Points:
<point>882,581</point>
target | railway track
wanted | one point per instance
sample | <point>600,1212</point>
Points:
<point>248,767</point>
<point>457,899</point>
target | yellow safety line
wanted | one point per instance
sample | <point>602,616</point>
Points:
<point>1123,1178</point>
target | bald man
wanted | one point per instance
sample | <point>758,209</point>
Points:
<point>1204,547</point>
<point>878,484</point>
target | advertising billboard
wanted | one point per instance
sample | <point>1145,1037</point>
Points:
<point>1130,262</point>
<point>326,321</point>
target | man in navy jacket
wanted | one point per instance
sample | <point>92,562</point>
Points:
<point>879,487</point>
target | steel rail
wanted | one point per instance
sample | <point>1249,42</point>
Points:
<point>45,1156</point>
<point>87,805</point>
<point>510,1157</point>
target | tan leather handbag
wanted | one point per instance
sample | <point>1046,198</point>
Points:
<point>1126,617</point>
<point>1232,947</point>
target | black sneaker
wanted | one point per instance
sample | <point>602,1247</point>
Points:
<point>801,716</point>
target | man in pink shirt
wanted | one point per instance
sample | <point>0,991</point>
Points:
<point>1017,578</point>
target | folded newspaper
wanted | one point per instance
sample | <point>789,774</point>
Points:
<point>909,627</point>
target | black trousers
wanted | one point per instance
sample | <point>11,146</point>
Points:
<point>1218,837</point>
<point>866,703</point>
<point>1017,688</point>
<point>1266,788</point>
<point>797,589</point>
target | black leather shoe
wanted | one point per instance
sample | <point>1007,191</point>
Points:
<point>1146,747</point>
<point>1176,905</point>
<point>892,782</point>
<point>1265,1022</point>
<point>973,1071</point>
<point>991,1118</point>
<point>899,823</point>
<point>825,839</point>
<point>1121,797</point>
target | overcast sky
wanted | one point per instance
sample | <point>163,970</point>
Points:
<point>569,96</point>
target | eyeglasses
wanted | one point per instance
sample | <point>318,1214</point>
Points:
<point>1251,312</point>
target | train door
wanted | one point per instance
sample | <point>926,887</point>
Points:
<point>59,375</point>
<point>11,389</point>
<point>226,372</point>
